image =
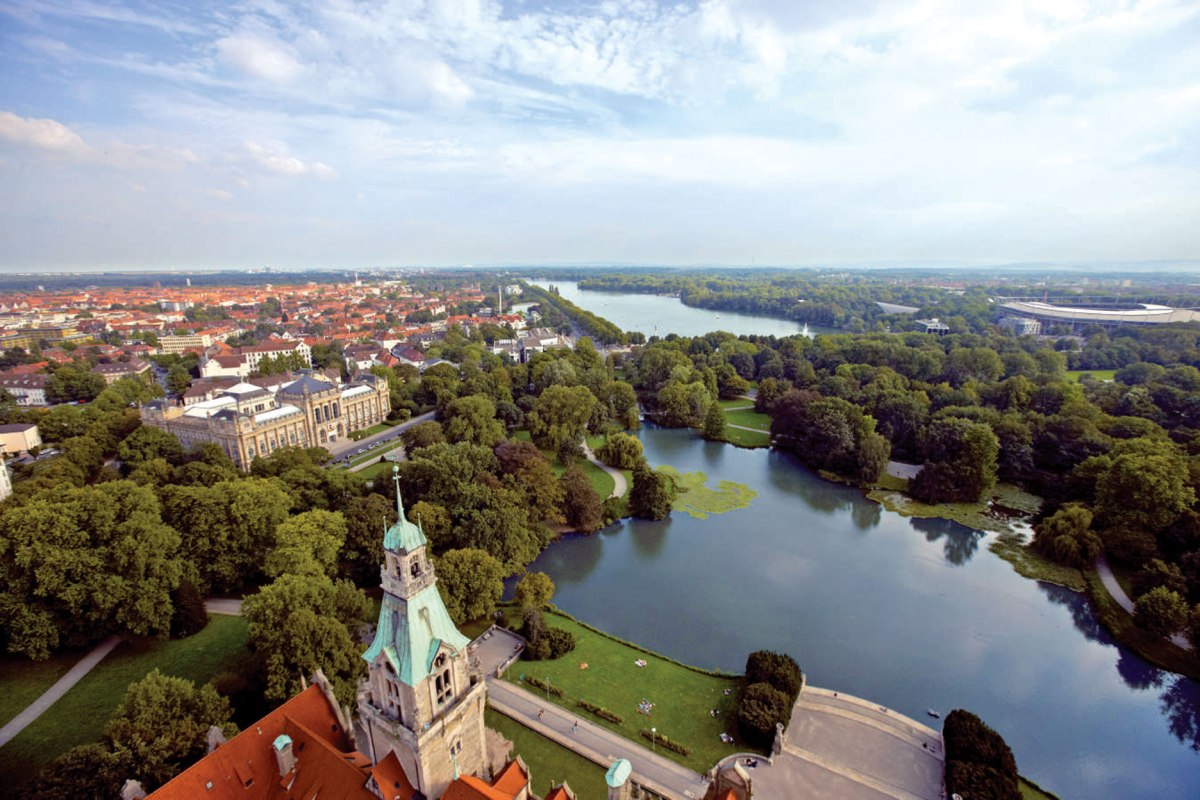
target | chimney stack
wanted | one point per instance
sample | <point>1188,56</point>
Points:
<point>284,756</point>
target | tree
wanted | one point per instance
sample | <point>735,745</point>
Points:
<point>1142,491</point>
<point>472,419</point>
<point>560,414</point>
<point>89,770</point>
<point>149,442</point>
<point>651,495</point>
<point>527,471</point>
<point>230,526</point>
<point>778,669</point>
<point>301,623</point>
<point>362,554</point>
<point>961,462</point>
<point>621,450</point>
<point>581,505</point>
<point>760,708</point>
<point>422,435</point>
<point>73,382</point>
<point>683,404</point>
<point>178,379</point>
<point>471,582</point>
<point>162,725</point>
<point>1161,611</point>
<point>307,544</point>
<point>1066,536</point>
<point>714,423</point>
<point>79,563</point>
<point>534,591</point>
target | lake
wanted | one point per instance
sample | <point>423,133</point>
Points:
<point>911,614</point>
<point>658,315</point>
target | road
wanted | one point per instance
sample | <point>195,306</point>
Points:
<point>345,447</point>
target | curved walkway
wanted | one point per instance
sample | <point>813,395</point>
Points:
<point>227,606</point>
<point>1118,593</point>
<point>61,687</point>
<point>619,483</point>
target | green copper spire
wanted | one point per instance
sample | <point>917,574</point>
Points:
<point>403,536</point>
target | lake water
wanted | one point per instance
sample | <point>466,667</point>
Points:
<point>658,315</point>
<point>911,614</point>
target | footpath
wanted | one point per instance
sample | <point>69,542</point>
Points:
<point>1114,588</point>
<point>62,686</point>
<point>619,484</point>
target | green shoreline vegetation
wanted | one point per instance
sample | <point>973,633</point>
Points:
<point>695,498</point>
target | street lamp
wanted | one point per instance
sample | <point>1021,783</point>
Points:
<point>653,736</point>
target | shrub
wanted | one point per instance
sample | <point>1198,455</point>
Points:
<point>1161,611</point>
<point>552,643</point>
<point>759,709</point>
<point>663,741</point>
<point>599,711</point>
<point>778,669</point>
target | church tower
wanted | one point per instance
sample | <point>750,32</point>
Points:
<point>422,698</point>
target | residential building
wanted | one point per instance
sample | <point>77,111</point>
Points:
<point>20,438</point>
<point>244,360</point>
<point>26,389</point>
<point>121,369</point>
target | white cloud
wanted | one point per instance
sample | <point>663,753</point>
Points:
<point>44,134</point>
<point>273,161</point>
<point>259,58</point>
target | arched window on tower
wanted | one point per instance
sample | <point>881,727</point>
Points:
<point>442,681</point>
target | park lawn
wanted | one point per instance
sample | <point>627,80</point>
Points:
<point>376,453</point>
<point>749,418</point>
<point>24,681</point>
<point>736,403</point>
<point>745,438</point>
<point>80,715</point>
<point>1029,790</point>
<point>375,470</point>
<point>682,697</point>
<point>550,764</point>
<point>1098,374</point>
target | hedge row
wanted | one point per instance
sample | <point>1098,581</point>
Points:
<point>663,741</point>
<point>554,690</point>
<point>601,712</point>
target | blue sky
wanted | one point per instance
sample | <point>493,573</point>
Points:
<point>357,134</point>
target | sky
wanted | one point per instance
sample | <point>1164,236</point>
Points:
<point>360,134</point>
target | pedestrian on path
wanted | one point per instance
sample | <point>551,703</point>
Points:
<point>541,713</point>
<point>574,726</point>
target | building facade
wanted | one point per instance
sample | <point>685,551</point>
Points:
<point>180,344</point>
<point>248,421</point>
<point>423,699</point>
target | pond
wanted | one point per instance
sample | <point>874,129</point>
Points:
<point>658,315</point>
<point>911,614</point>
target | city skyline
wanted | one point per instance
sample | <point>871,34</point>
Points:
<point>340,136</point>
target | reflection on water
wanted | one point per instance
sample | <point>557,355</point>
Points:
<point>1081,611</point>
<point>572,564</point>
<point>1137,673</point>
<point>1181,704</point>
<point>649,536</point>
<point>961,542</point>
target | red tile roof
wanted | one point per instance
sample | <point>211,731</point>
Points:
<point>391,779</point>
<point>245,767</point>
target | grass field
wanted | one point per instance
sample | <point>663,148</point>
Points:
<point>24,680</point>
<point>682,697</point>
<point>1031,791</point>
<point>549,763</point>
<point>744,438</point>
<point>1098,374</point>
<point>375,470</point>
<point>376,453</point>
<point>80,716</point>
